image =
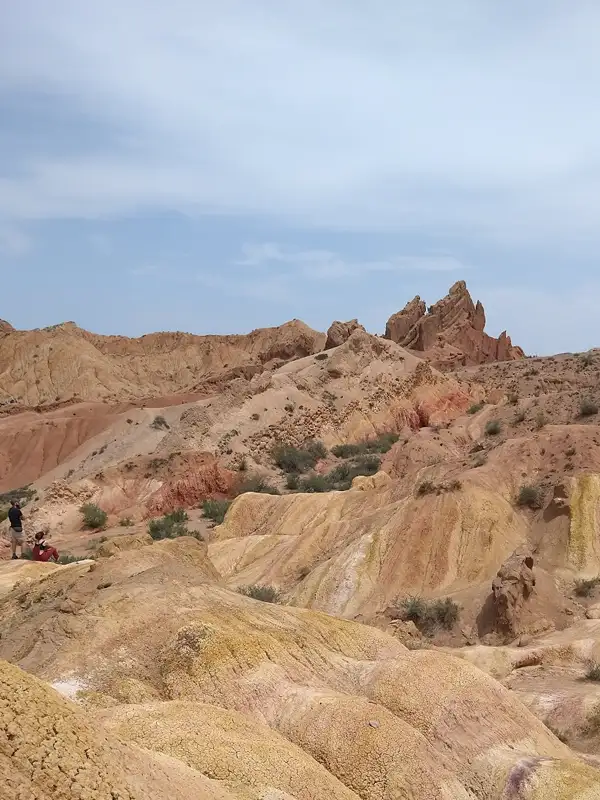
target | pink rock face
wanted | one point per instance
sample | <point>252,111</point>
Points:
<point>451,332</point>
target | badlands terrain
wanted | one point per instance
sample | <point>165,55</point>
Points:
<point>299,565</point>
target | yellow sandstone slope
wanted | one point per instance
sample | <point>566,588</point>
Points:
<point>255,694</point>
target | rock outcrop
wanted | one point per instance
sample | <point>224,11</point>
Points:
<point>5,327</point>
<point>511,588</point>
<point>451,332</point>
<point>340,332</point>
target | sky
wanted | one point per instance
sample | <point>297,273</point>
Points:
<point>217,167</point>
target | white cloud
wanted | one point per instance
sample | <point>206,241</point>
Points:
<point>325,265</point>
<point>472,115</point>
<point>13,242</point>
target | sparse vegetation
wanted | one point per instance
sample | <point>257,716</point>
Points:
<point>381,444</point>
<point>126,522</point>
<point>321,356</point>
<point>159,423</point>
<point>428,487</point>
<point>530,497</point>
<point>493,427</point>
<point>67,558</point>
<point>339,478</point>
<point>480,460</point>
<point>585,586</point>
<point>258,484</point>
<point>292,481</point>
<point>430,615</point>
<point>587,408</point>
<point>215,509</point>
<point>93,516</point>
<point>587,359</point>
<point>170,526</point>
<point>475,408</point>
<point>255,417</point>
<point>519,417</point>
<point>266,594</point>
<point>296,459</point>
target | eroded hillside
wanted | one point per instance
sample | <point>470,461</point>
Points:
<point>372,560</point>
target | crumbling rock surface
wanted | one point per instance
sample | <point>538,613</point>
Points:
<point>511,588</point>
<point>451,332</point>
<point>340,332</point>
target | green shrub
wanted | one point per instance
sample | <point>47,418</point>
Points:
<point>430,615</point>
<point>493,427</point>
<point>170,526</point>
<point>346,450</point>
<point>296,459</point>
<point>266,594</point>
<point>258,484</point>
<point>126,522</point>
<point>93,516</point>
<point>587,408</point>
<point>314,483</point>
<point>585,586</point>
<point>530,496</point>
<point>216,509</point>
<point>159,423</point>
<point>475,408</point>
<point>292,481</point>
<point>593,672</point>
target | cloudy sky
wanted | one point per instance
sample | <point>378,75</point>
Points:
<point>216,167</point>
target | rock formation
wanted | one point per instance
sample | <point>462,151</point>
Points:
<point>451,332</point>
<point>339,332</point>
<point>511,588</point>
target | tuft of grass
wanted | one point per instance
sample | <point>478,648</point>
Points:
<point>585,586</point>
<point>93,516</point>
<point>587,359</point>
<point>427,487</point>
<point>593,672</point>
<point>159,423</point>
<point>493,427</point>
<point>216,509</point>
<point>530,496</point>
<point>587,408</point>
<point>475,408</point>
<point>170,526</point>
<point>126,522</point>
<point>266,594</point>
<point>67,558</point>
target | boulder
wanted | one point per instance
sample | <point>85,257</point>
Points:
<point>511,588</point>
<point>340,332</point>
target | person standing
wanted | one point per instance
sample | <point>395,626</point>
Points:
<point>15,516</point>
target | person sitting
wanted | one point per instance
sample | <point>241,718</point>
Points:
<point>42,551</point>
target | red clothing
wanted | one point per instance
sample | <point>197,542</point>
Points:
<point>44,555</point>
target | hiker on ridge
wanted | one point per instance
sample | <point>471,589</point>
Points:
<point>15,516</point>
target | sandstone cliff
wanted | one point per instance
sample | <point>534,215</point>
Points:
<point>451,332</point>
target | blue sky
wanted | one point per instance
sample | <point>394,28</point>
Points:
<point>218,167</point>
